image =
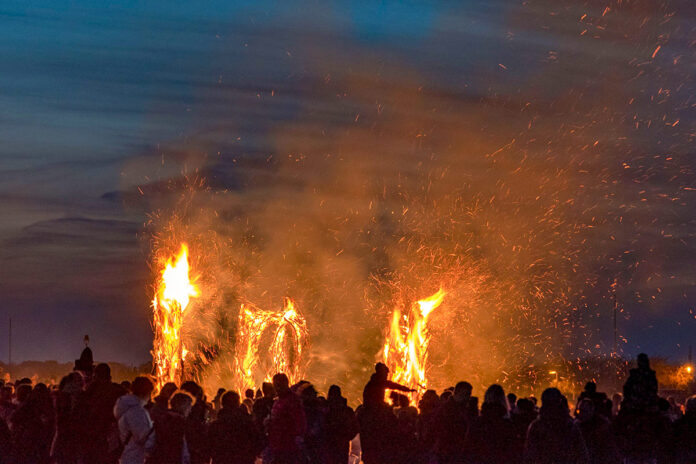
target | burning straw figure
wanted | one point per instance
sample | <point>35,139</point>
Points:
<point>174,290</point>
<point>405,351</point>
<point>287,346</point>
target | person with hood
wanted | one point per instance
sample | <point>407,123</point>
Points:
<point>452,425</point>
<point>170,430</point>
<point>287,424</point>
<point>553,438</point>
<point>233,437</point>
<point>136,429</point>
<point>492,437</point>
<point>341,427</point>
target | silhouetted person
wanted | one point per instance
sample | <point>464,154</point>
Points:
<point>525,414</point>
<point>261,410</point>
<point>313,439</point>
<point>642,432</point>
<point>160,406</point>
<point>341,427</point>
<point>597,433</point>
<point>170,432</point>
<point>99,429</point>
<point>67,446</point>
<point>196,425</point>
<point>33,427</point>
<point>286,425</point>
<point>374,389</point>
<point>491,438</point>
<point>640,390</point>
<point>233,437</point>
<point>685,434</point>
<point>135,426</point>
<point>248,399</point>
<point>600,400</point>
<point>7,407</point>
<point>379,436</point>
<point>429,405</point>
<point>554,438</point>
<point>453,421</point>
<point>5,443</point>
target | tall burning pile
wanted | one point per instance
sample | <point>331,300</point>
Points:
<point>405,350</point>
<point>174,290</point>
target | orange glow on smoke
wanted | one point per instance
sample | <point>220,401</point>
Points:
<point>405,351</point>
<point>174,290</point>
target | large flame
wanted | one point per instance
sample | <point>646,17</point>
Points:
<point>405,350</point>
<point>173,292</point>
<point>289,340</point>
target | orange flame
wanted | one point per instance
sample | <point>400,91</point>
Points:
<point>286,349</point>
<point>405,350</point>
<point>172,296</point>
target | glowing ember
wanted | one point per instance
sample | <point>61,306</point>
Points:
<point>288,342</point>
<point>405,351</point>
<point>173,292</point>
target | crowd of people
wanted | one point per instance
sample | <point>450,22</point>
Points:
<point>90,419</point>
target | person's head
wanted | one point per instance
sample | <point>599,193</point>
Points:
<point>447,394</point>
<point>512,399</point>
<point>249,394</point>
<point>591,387</point>
<point>334,392</point>
<point>525,405</point>
<point>168,390</point>
<point>643,361</point>
<point>381,370</point>
<point>193,388</point>
<point>219,393</point>
<point>181,402</point>
<point>126,385</point>
<point>281,383</point>
<point>230,400</point>
<point>6,393</point>
<point>586,409</point>
<point>496,395</point>
<point>23,392</point>
<point>102,373</point>
<point>690,405</point>
<point>552,403</point>
<point>268,390</point>
<point>142,387</point>
<point>462,392</point>
<point>404,401</point>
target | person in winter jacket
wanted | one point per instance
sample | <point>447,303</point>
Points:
<point>135,426</point>
<point>286,425</point>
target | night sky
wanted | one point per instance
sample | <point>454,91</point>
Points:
<point>100,105</point>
